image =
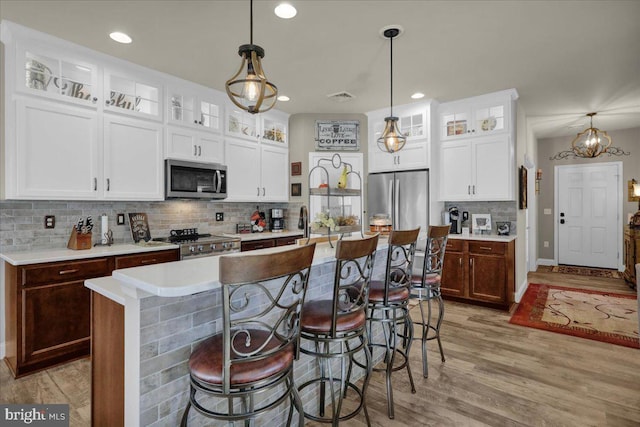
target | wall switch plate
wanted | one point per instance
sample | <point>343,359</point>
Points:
<point>546,244</point>
<point>219,216</point>
<point>120,219</point>
<point>49,221</point>
<point>465,216</point>
<point>547,211</point>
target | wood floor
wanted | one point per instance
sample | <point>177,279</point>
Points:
<point>496,374</point>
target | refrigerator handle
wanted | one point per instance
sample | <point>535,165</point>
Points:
<point>396,212</point>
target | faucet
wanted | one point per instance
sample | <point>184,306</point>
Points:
<point>303,221</point>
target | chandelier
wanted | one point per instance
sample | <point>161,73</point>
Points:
<point>249,89</point>
<point>590,143</point>
<point>392,139</point>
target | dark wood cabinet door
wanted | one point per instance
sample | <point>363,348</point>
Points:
<point>257,244</point>
<point>126,261</point>
<point>453,282</point>
<point>487,278</point>
<point>57,321</point>
<point>283,241</point>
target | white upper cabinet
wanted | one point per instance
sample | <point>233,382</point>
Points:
<point>477,160</point>
<point>241,124</point>
<point>199,109</point>
<point>133,94</point>
<point>414,122</point>
<point>274,127</point>
<point>46,72</point>
<point>477,116</point>
<point>187,144</point>
<point>274,173</point>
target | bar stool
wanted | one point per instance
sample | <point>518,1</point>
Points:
<point>389,299</point>
<point>426,287</point>
<point>336,329</point>
<point>262,297</point>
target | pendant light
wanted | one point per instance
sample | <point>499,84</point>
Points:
<point>392,139</point>
<point>249,89</point>
<point>591,142</point>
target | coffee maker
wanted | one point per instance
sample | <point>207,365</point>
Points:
<point>456,221</point>
<point>276,221</point>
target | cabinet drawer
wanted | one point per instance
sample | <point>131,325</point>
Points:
<point>455,245</point>
<point>283,241</point>
<point>258,244</point>
<point>37,274</point>
<point>137,260</point>
<point>497,248</point>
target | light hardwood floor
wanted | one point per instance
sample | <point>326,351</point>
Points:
<point>496,374</point>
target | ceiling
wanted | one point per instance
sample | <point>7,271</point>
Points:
<point>565,58</point>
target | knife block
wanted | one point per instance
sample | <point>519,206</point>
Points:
<point>79,240</point>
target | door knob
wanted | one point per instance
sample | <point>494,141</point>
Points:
<point>562,221</point>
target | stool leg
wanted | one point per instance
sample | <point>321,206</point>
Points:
<point>297,402</point>
<point>185,416</point>
<point>389,358</point>
<point>440,318</point>
<point>425,332</point>
<point>408,330</point>
<point>321,363</point>
<point>365,384</point>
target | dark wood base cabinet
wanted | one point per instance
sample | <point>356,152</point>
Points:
<point>48,308</point>
<point>253,245</point>
<point>480,272</point>
<point>631,254</point>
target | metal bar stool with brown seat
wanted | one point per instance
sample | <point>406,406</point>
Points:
<point>336,329</point>
<point>426,287</point>
<point>389,306</point>
<point>262,297</point>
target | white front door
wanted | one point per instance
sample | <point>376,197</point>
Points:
<point>588,212</point>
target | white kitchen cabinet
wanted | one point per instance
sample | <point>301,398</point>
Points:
<point>132,93</point>
<point>133,161</point>
<point>478,116</point>
<point>414,122</point>
<point>186,144</point>
<point>57,75</point>
<point>478,169</point>
<point>56,152</point>
<point>241,124</point>
<point>274,127</point>
<point>256,172</point>
<point>199,109</point>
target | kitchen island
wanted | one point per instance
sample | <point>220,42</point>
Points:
<point>146,321</point>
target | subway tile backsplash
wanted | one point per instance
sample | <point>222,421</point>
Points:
<point>499,211</point>
<point>22,222</point>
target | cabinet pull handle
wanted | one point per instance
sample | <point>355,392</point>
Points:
<point>95,184</point>
<point>486,248</point>
<point>94,99</point>
<point>471,262</point>
<point>474,189</point>
<point>468,189</point>
<point>258,247</point>
<point>460,262</point>
<point>199,149</point>
<point>263,192</point>
<point>195,150</point>
<point>147,261</point>
<point>108,184</point>
<point>61,272</point>
<point>258,188</point>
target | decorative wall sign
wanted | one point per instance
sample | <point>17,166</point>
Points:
<point>296,190</point>
<point>337,135</point>
<point>139,227</point>
<point>296,168</point>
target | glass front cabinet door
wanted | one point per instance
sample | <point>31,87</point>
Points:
<point>132,95</point>
<point>47,73</point>
<point>188,109</point>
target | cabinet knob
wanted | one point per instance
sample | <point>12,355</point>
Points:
<point>95,99</point>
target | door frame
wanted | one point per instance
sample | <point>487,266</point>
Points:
<point>556,203</point>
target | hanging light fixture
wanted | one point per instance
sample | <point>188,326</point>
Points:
<point>591,142</point>
<point>392,139</point>
<point>251,91</point>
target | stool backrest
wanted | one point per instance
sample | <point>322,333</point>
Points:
<point>434,251</point>
<point>402,249</point>
<point>262,292</point>
<point>354,265</point>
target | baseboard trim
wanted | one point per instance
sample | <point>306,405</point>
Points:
<point>546,261</point>
<point>521,290</point>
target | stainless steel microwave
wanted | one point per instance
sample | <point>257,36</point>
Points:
<point>193,180</point>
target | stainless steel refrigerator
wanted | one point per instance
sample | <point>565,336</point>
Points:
<point>404,196</point>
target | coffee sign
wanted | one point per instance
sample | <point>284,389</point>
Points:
<point>337,135</point>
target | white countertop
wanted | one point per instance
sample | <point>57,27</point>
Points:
<point>53,255</point>
<point>190,276</point>
<point>246,237</point>
<point>488,237</point>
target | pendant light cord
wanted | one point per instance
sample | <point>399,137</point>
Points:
<point>391,68</point>
<point>251,22</point>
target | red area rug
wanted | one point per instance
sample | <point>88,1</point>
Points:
<point>600,316</point>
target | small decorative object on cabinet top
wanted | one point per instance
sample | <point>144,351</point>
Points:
<point>481,223</point>
<point>337,135</point>
<point>503,227</point>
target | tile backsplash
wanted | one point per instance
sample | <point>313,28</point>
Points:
<point>22,222</point>
<point>499,211</point>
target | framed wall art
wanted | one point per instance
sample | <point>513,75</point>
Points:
<point>481,223</point>
<point>522,185</point>
<point>296,190</point>
<point>296,168</point>
<point>337,135</point>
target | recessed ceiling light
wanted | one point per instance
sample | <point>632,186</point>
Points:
<point>120,37</point>
<point>285,11</point>
<point>283,98</point>
<point>417,95</point>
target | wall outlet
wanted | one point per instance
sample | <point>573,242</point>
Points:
<point>545,244</point>
<point>219,216</point>
<point>547,211</point>
<point>120,219</point>
<point>465,216</point>
<point>49,221</point>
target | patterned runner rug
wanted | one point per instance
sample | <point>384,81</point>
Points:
<point>596,315</point>
<point>580,271</point>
